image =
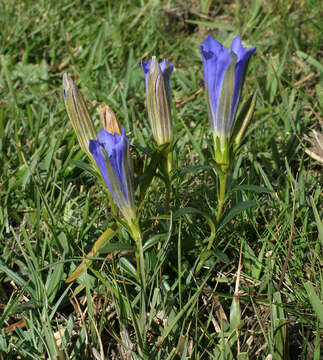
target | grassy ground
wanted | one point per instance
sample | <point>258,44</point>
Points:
<point>52,210</point>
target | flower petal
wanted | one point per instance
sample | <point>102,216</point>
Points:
<point>112,156</point>
<point>145,67</point>
<point>243,56</point>
<point>216,60</point>
<point>167,69</point>
<point>99,157</point>
<point>115,146</point>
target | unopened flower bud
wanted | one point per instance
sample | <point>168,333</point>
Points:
<point>78,114</point>
<point>158,99</point>
<point>110,122</point>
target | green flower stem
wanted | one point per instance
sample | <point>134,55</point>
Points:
<point>167,168</point>
<point>168,194</point>
<point>223,174</point>
<point>141,276</point>
<point>167,201</point>
<point>221,197</point>
<point>136,235</point>
<point>221,201</point>
<point>169,162</point>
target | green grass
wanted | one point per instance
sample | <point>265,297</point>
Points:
<point>52,210</point>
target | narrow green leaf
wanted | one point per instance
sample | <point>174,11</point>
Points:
<point>315,301</point>
<point>212,25</point>
<point>279,324</point>
<point>54,282</point>
<point>310,60</point>
<point>236,210</point>
<point>318,220</point>
<point>252,188</point>
<point>187,309</point>
<point>109,248</point>
<point>99,244</point>
<point>317,349</point>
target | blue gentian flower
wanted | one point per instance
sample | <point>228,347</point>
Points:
<point>158,99</point>
<point>111,153</point>
<point>224,71</point>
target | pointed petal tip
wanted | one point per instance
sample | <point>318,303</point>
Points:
<point>93,146</point>
<point>211,48</point>
<point>208,39</point>
<point>239,49</point>
<point>145,65</point>
<point>210,43</point>
<point>237,39</point>
<point>166,67</point>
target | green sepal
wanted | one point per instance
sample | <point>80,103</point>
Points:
<point>125,206</point>
<point>222,153</point>
<point>167,159</point>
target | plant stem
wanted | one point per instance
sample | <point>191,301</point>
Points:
<point>168,192</point>
<point>221,197</point>
<point>221,201</point>
<point>136,235</point>
<point>167,166</point>
<point>141,276</point>
<point>169,162</point>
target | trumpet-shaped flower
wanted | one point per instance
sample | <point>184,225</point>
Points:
<point>111,153</point>
<point>158,99</point>
<point>78,114</point>
<point>224,71</point>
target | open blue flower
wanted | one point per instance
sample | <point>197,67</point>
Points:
<point>224,71</point>
<point>158,99</point>
<point>111,153</point>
